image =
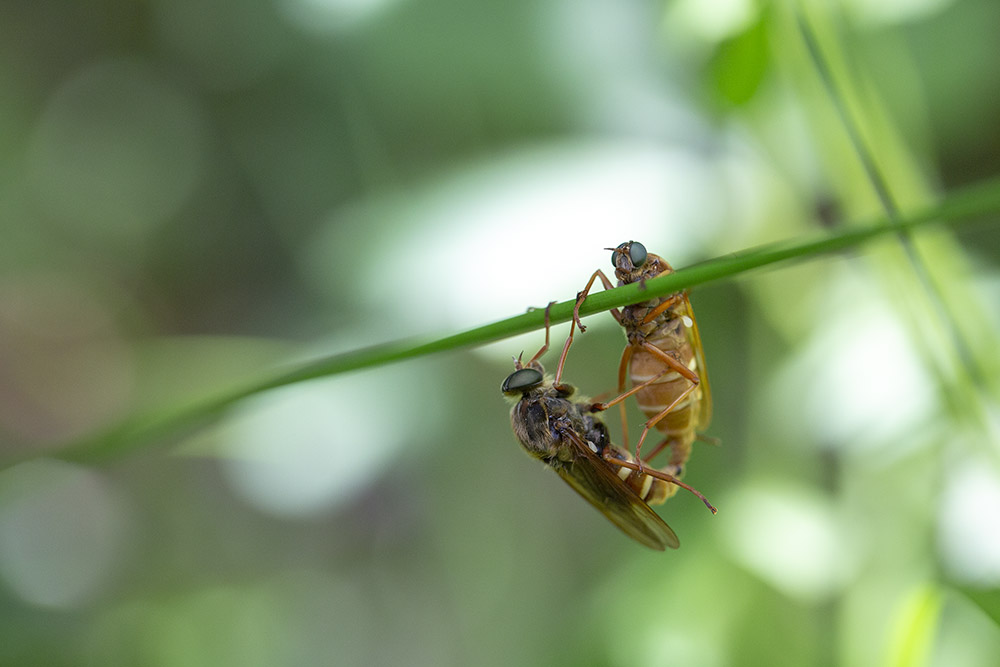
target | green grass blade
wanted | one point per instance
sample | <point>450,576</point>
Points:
<point>133,432</point>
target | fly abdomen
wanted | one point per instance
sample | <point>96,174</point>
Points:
<point>652,490</point>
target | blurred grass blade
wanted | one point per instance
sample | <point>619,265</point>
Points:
<point>838,94</point>
<point>987,599</point>
<point>838,97</point>
<point>914,628</point>
<point>131,433</point>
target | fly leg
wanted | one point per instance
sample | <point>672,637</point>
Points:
<point>562,358</point>
<point>673,366</point>
<point>544,347</point>
<point>668,303</point>
<point>620,399</point>
<point>660,474</point>
<point>582,296</point>
<point>680,452</point>
<point>599,407</point>
<point>622,375</point>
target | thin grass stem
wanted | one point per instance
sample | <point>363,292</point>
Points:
<point>140,430</point>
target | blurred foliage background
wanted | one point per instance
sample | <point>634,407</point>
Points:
<point>195,192</point>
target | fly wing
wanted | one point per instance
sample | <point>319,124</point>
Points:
<point>594,479</point>
<point>705,404</point>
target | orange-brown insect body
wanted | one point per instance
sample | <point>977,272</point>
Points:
<point>667,324</point>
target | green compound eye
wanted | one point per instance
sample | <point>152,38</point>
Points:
<point>629,256</point>
<point>618,256</point>
<point>521,380</point>
<point>637,253</point>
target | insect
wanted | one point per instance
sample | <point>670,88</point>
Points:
<point>564,430</point>
<point>664,358</point>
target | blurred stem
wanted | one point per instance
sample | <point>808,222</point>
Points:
<point>141,429</point>
<point>889,204</point>
<point>865,155</point>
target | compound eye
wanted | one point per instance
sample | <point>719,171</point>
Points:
<point>616,255</point>
<point>637,253</point>
<point>521,380</point>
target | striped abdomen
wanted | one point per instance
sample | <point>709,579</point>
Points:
<point>652,490</point>
<point>669,333</point>
<point>654,398</point>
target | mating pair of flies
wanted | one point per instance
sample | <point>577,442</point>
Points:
<point>666,363</point>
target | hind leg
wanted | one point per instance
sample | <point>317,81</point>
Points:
<point>680,452</point>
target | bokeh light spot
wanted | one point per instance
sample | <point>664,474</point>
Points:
<point>303,449</point>
<point>492,239</point>
<point>61,532</point>
<point>969,536</point>
<point>320,16</point>
<point>790,538</point>
<point>712,21</point>
<point>858,381</point>
<point>117,150</point>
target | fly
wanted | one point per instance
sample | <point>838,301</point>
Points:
<point>663,358</point>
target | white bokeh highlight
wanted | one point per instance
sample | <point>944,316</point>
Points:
<point>496,238</point>
<point>792,538</point>
<point>306,448</point>
<point>858,383</point>
<point>62,530</point>
<point>969,528</point>
<point>323,16</point>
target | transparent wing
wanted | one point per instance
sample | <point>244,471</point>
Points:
<point>594,479</point>
<point>705,404</point>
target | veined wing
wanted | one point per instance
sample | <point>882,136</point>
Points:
<point>594,479</point>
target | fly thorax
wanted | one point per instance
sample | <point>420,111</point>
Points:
<point>669,326</point>
<point>648,329</point>
<point>596,433</point>
<point>530,421</point>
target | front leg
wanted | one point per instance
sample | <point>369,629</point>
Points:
<point>544,347</point>
<point>582,296</point>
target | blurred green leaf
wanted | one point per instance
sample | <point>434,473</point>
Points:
<point>739,64</point>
